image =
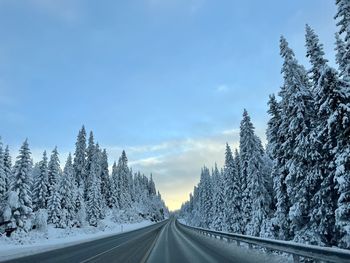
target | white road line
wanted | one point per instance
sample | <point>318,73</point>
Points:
<point>109,250</point>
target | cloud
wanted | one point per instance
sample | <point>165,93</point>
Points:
<point>176,164</point>
<point>222,88</point>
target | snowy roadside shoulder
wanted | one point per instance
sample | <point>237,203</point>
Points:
<point>37,241</point>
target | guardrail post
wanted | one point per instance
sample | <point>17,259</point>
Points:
<point>221,238</point>
<point>296,259</point>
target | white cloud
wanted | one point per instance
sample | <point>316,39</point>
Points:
<point>176,164</point>
<point>222,88</point>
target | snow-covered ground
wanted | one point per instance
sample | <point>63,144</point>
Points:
<point>54,238</point>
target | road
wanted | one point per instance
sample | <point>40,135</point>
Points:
<point>165,242</point>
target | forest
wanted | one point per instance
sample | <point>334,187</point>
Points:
<point>297,187</point>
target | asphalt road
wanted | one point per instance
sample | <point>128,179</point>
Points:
<point>165,242</point>
<point>133,246</point>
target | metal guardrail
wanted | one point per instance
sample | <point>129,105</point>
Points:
<point>324,254</point>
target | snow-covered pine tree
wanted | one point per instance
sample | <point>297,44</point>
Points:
<point>21,188</point>
<point>343,11</point>
<point>340,52</point>
<point>315,53</point>
<point>67,189</point>
<point>3,181</point>
<point>247,142</point>
<point>296,123</point>
<point>232,195</point>
<point>8,168</point>
<point>276,138</point>
<point>54,171</point>
<point>321,229</point>
<point>105,180</point>
<point>90,151</point>
<point>94,201</point>
<point>41,183</point>
<point>218,207</point>
<point>80,158</point>
<point>343,21</point>
<point>338,123</point>
<point>122,183</point>
<point>55,215</point>
<point>131,185</point>
<point>114,200</point>
<point>259,184</point>
<point>206,196</point>
<point>151,187</point>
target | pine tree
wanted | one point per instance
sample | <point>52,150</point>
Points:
<point>218,200</point>
<point>151,187</point>
<point>324,197</point>
<point>232,205</point>
<point>80,158</point>
<point>315,53</point>
<point>94,202</point>
<point>105,180</point>
<point>54,172</point>
<point>41,184</point>
<point>342,15</point>
<point>124,197</point>
<point>114,200</point>
<point>3,179</point>
<point>55,215</point>
<point>296,124</point>
<point>8,168</point>
<point>206,198</point>
<point>67,188</point>
<point>21,188</point>
<point>340,52</point>
<point>247,141</point>
<point>258,184</point>
<point>343,11</point>
<point>90,151</point>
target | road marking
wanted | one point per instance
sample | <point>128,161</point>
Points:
<point>109,250</point>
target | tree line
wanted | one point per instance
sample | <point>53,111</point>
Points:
<point>84,192</point>
<point>298,186</point>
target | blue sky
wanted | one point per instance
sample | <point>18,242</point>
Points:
<point>167,80</point>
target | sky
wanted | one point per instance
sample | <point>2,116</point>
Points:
<point>166,80</point>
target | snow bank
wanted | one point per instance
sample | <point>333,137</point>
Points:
<point>54,238</point>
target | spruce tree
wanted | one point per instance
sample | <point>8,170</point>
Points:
<point>3,181</point>
<point>55,214</point>
<point>54,172</point>
<point>315,54</point>
<point>94,202</point>
<point>105,180</point>
<point>247,141</point>
<point>206,194</point>
<point>114,200</point>
<point>21,187</point>
<point>80,158</point>
<point>41,184</point>
<point>8,168</point>
<point>296,105</point>
<point>340,52</point>
<point>124,197</point>
<point>67,189</point>
<point>218,208</point>
<point>343,21</point>
<point>232,210</point>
